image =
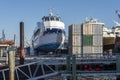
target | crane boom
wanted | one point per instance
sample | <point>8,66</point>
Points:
<point>118,13</point>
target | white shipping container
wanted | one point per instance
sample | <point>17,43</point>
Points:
<point>76,50</point>
<point>87,49</point>
<point>90,29</point>
<point>76,29</point>
<point>76,40</point>
<point>85,31</point>
<point>97,40</point>
<point>87,28</point>
<point>97,29</point>
<point>97,49</point>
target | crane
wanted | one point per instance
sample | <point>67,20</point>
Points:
<point>118,13</point>
<point>117,23</point>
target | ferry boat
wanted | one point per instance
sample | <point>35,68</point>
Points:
<point>49,35</point>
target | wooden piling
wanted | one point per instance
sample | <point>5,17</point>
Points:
<point>11,56</point>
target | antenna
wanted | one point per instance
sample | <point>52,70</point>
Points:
<point>51,13</point>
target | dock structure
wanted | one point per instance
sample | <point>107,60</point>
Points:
<point>55,67</point>
<point>4,46</point>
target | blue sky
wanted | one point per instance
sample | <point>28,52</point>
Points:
<point>70,11</point>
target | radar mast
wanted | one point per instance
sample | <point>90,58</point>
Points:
<point>51,12</point>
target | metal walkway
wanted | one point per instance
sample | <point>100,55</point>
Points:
<point>39,67</point>
<point>30,71</point>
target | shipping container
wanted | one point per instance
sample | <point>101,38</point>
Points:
<point>93,27</point>
<point>87,29</point>
<point>76,40</point>
<point>97,49</point>
<point>75,29</point>
<point>97,29</point>
<point>75,50</point>
<point>87,49</point>
<point>97,40</point>
<point>84,27</point>
<point>87,40</point>
<point>92,49</point>
<point>75,35</point>
<point>90,29</point>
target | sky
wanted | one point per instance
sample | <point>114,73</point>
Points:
<point>12,12</point>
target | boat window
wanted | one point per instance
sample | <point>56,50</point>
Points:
<point>47,19</point>
<point>52,18</point>
<point>43,18</point>
<point>59,31</point>
<point>47,29</point>
<point>112,32</point>
<point>108,33</point>
<point>57,19</point>
<point>116,32</point>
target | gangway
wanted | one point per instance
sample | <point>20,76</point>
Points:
<point>30,71</point>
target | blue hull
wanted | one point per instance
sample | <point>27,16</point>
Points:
<point>49,47</point>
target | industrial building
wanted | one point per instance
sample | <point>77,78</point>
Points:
<point>86,37</point>
<point>4,44</point>
<point>3,49</point>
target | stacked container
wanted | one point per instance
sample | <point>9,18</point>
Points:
<point>92,36</point>
<point>98,37</point>
<point>75,39</point>
<point>86,38</point>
